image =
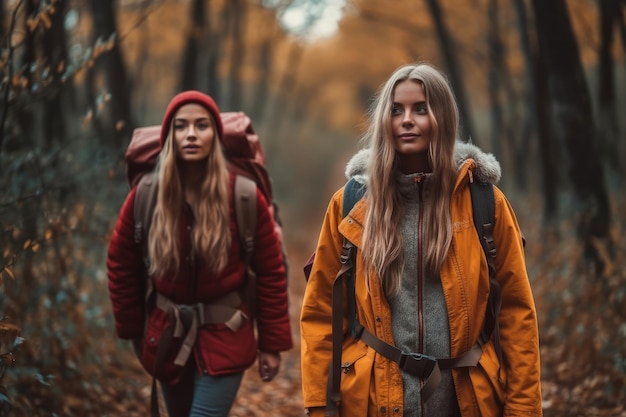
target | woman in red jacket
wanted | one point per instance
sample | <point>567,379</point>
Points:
<point>196,336</point>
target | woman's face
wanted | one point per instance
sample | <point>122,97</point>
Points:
<point>193,133</point>
<point>411,126</point>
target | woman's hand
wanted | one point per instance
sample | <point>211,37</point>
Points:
<point>269,364</point>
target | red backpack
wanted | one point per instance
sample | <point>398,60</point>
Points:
<point>245,157</point>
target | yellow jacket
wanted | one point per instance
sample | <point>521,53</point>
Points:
<point>371,385</point>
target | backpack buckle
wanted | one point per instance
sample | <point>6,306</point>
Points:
<point>417,364</point>
<point>137,232</point>
<point>346,253</point>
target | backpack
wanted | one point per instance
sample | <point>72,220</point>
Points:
<point>245,158</point>
<point>424,366</point>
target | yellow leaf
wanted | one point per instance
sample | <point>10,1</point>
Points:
<point>27,243</point>
<point>48,234</point>
<point>35,247</point>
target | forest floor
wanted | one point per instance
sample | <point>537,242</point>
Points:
<point>583,340</point>
<point>582,320</point>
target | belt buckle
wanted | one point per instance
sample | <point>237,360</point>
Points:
<point>417,363</point>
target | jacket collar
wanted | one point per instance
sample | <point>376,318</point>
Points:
<point>468,157</point>
<point>472,163</point>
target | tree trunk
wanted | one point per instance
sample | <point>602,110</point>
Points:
<point>111,65</point>
<point>55,55</point>
<point>525,149</point>
<point>619,16</point>
<point>282,105</point>
<point>447,49</point>
<point>237,25</point>
<point>548,149</point>
<point>262,93</point>
<point>215,41</point>
<point>495,69</point>
<point>608,127</point>
<point>190,71</point>
<point>574,123</point>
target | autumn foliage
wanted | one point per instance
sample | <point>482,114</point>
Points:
<point>67,74</point>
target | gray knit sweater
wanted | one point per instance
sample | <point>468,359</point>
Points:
<point>420,293</point>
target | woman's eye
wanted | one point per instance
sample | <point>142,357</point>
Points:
<point>395,110</point>
<point>421,109</point>
<point>179,126</point>
<point>203,125</point>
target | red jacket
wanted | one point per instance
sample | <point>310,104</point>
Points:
<point>218,350</point>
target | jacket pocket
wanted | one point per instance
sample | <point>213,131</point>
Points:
<point>356,365</point>
<point>488,383</point>
<point>155,342</point>
<point>226,351</point>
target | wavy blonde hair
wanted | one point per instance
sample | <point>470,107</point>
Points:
<point>382,247</point>
<point>210,238</point>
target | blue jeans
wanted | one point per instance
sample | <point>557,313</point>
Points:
<point>199,395</point>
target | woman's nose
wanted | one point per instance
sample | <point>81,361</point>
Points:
<point>407,118</point>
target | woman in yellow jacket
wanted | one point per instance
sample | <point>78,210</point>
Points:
<point>422,280</point>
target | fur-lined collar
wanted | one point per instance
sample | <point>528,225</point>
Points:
<point>487,167</point>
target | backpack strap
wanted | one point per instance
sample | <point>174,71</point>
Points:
<point>483,207</point>
<point>353,191</point>
<point>346,272</point>
<point>246,214</point>
<point>145,201</point>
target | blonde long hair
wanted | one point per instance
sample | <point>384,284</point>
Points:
<point>382,247</point>
<point>210,239</point>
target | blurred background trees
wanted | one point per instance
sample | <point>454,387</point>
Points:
<point>540,84</point>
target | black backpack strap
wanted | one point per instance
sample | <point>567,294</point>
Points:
<point>346,272</point>
<point>483,206</point>
<point>353,191</point>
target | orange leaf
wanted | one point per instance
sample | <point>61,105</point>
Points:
<point>27,243</point>
<point>10,273</point>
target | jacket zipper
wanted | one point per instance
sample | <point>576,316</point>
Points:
<point>192,257</point>
<point>420,225</point>
<point>420,262</point>
<point>193,284</point>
